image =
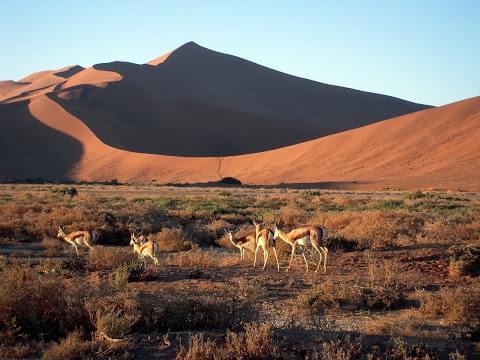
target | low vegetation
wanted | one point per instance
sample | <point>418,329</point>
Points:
<point>401,266</point>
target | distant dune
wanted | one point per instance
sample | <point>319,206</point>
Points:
<point>123,121</point>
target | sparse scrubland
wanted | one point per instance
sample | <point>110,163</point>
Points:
<point>401,283</point>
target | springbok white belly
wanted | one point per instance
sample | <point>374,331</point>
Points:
<point>305,241</point>
<point>79,240</point>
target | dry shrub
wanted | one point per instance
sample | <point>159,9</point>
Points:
<point>382,272</point>
<point>72,347</point>
<point>234,218</point>
<point>404,324</point>
<point>224,308</point>
<point>328,295</point>
<point>370,229</point>
<point>125,273</point>
<point>109,258</point>
<point>464,260</point>
<point>17,349</point>
<point>52,245</point>
<point>172,240</point>
<point>292,215</point>
<point>216,226</point>
<point>444,231</point>
<point>114,314</point>
<point>460,305</point>
<point>341,349</point>
<point>30,303</point>
<point>255,342</point>
<point>39,305</point>
<point>196,259</point>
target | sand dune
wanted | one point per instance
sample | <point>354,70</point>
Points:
<point>36,83</point>
<point>437,148</point>
<point>197,102</point>
<point>111,121</point>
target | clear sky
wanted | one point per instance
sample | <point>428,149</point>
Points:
<point>426,51</point>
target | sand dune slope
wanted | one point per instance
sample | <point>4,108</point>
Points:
<point>194,101</point>
<point>437,148</point>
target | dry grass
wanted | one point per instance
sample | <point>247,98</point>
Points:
<point>345,296</point>
<point>223,308</point>
<point>72,347</point>
<point>460,305</point>
<point>255,342</point>
<point>371,229</point>
<point>172,240</point>
<point>198,259</point>
<point>198,289</point>
<point>114,314</point>
<point>464,260</point>
<point>109,258</point>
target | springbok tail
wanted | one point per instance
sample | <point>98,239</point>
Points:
<point>94,236</point>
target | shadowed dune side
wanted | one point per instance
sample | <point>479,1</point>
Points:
<point>29,149</point>
<point>143,124</point>
<point>103,162</point>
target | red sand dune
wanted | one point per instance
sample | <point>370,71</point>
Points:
<point>53,125</point>
<point>217,104</point>
<point>437,148</point>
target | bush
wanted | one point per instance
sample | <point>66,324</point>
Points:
<point>72,347</point>
<point>454,305</point>
<point>255,342</point>
<point>172,240</point>
<point>114,314</point>
<point>126,273</point>
<point>230,181</point>
<point>65,190</point>
<point>348,297</point>
<point>39,306</point>
<point>109,258</point>
<point>224,308</point>
<point>465,260</point>
<point>195,259</point>
<point>339,242</point>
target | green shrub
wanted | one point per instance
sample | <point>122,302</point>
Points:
<point>230,181</point>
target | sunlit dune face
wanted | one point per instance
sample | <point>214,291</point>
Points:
<point>92,76</point>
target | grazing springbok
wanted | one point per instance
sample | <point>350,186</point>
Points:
<point>144,247</point>
<point>77,238</point>
<point>243,243</point>
<point>266,241</point>
<point>304,237</point>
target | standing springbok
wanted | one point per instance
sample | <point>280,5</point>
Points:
<point>144,247</point>
<point>76,238</point>
<point>303,237</point>
<point>243,243</point>
<point>266,241</point>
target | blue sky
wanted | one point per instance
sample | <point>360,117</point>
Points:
<point>426,51</point>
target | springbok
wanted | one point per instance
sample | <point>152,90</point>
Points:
<point>243,243</point>
<point>77,238</point>
<point>144,247</point>
<point>266,241</point>
<point>304,237</point>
